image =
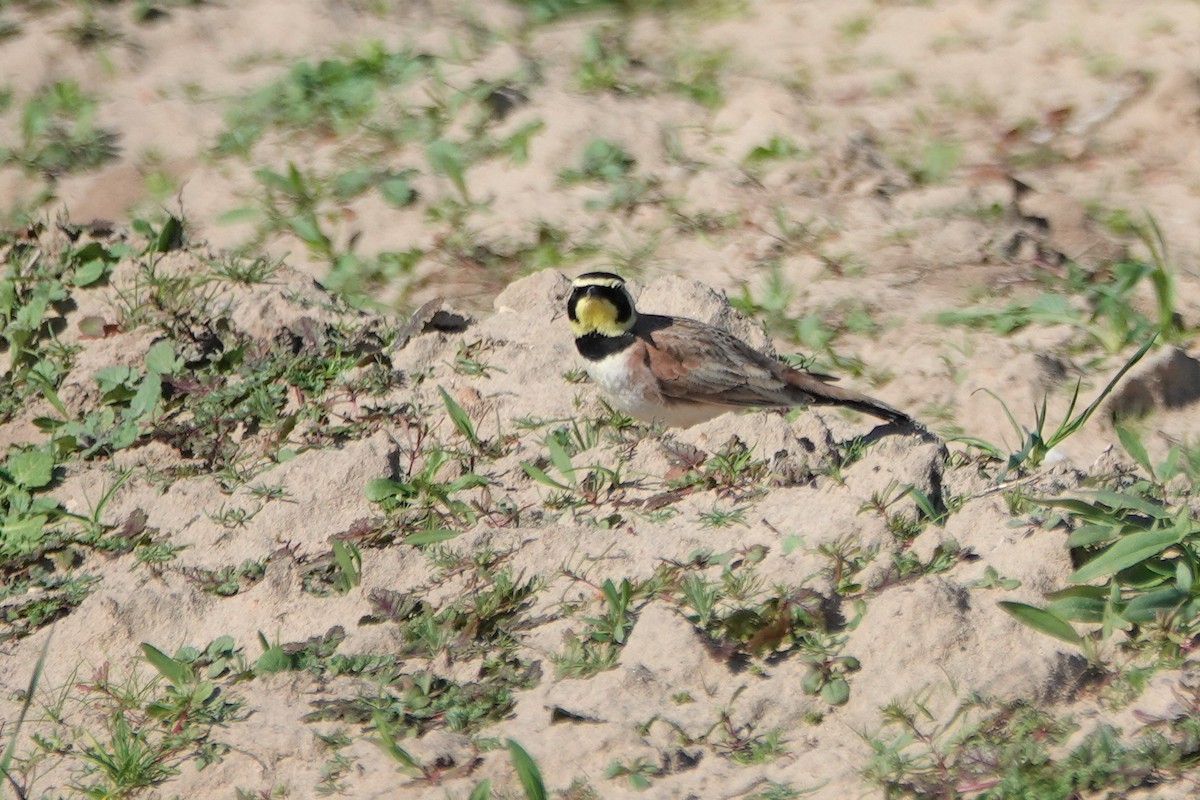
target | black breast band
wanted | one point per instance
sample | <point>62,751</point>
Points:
<point>595,346</point>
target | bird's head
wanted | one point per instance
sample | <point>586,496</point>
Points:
<point>600,303</point>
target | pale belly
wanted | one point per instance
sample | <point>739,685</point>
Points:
<point>636,399</point>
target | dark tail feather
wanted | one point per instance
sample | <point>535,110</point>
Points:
<point>823,393</point>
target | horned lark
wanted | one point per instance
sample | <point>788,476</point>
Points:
<point>682,372</point>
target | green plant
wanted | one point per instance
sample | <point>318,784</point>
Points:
<point>1015,750</point>
<point>429,503</point>
<point>596,648</point>
<point>1109,316</point>
<point>637,772</point>
<point>776,148</point>
<point>696,74</point>
<point>1144,553</point>
<point>722,518</point>
<point>605,64</point>
<point>59,133</point>
<point>527,771</point>
<point>817,332</point>
<point>333,96</point>
<point>579,485</point>
<point>1039,441</point>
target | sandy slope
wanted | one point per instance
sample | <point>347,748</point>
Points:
<point>1095,107</point>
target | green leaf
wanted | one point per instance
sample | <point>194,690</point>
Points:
<point>836,691</point>
<point>22,535</point>
<point>178,673</point>
<point>1134,447</point>
<point>1078,603</point>
<point>527,771</point>
<point>272,660</point>
<point>460,418</point>
<point>541,477</point>
<point>431,536</point>
<point>92,327</point>
<point>560,459</point>
<point>1130,550</point>
<point>32,469</point>
<point>145,400</point>
<point>170,237</point>
<point>1043,621</point>
<point>446,158</point>
<point>388,744</point>
<point>160,359</point>
<point>352,183</point>
<point>91,272</point>
<point>379,489</point>
<point>1131,502</point>
<point>1146,608</point>
<point>110,379</point>
<point>349,561</point>
<point>482,790</point>
<point>34,678</point>
<point>397,191</point>
<point>638,781</point>
<point>308,230</point>
<point>1088,535</point>
<point>1184,577</point>
<point>123,435</point>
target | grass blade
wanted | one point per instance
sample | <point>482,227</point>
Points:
<point>460,418</point>
<point>560,459</point>
<point>1136,450</point>
<point>11,749</point>
<point>178,673</point>
<point>541,477</point>
<point>527,771</point>
<point>1070,426</point>
<point>432,536</point>
<point>387,743</point>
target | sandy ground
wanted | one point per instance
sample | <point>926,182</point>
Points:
<point>945,155</point>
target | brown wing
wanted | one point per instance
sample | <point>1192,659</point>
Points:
<point>695,362</point>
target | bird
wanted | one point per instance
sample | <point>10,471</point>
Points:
<point>681,372</point>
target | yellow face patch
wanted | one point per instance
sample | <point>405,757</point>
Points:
<point>597,315</point>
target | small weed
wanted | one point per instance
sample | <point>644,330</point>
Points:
<point>743,745</point>
<point>235,517</point>
<point>579,485</point>
<point>776,148</point>
<point>226,581</point>
<point>1105,311</point>
<point>1039,441</point>
<point>605,64</point>
<point>607,162</point>
<point>467,359</point>
<point>637,773</point>
<point>59,134</point>
<point>331,97</point>
<point>575,375</point>
<point>779,791</point>
<point>992,579</point>
<point>428,502</point>
<point>722,518</point>
<point>696,74</point>
<point>853,29</point>
<point>1016,750</point>
<point>596,648</point>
